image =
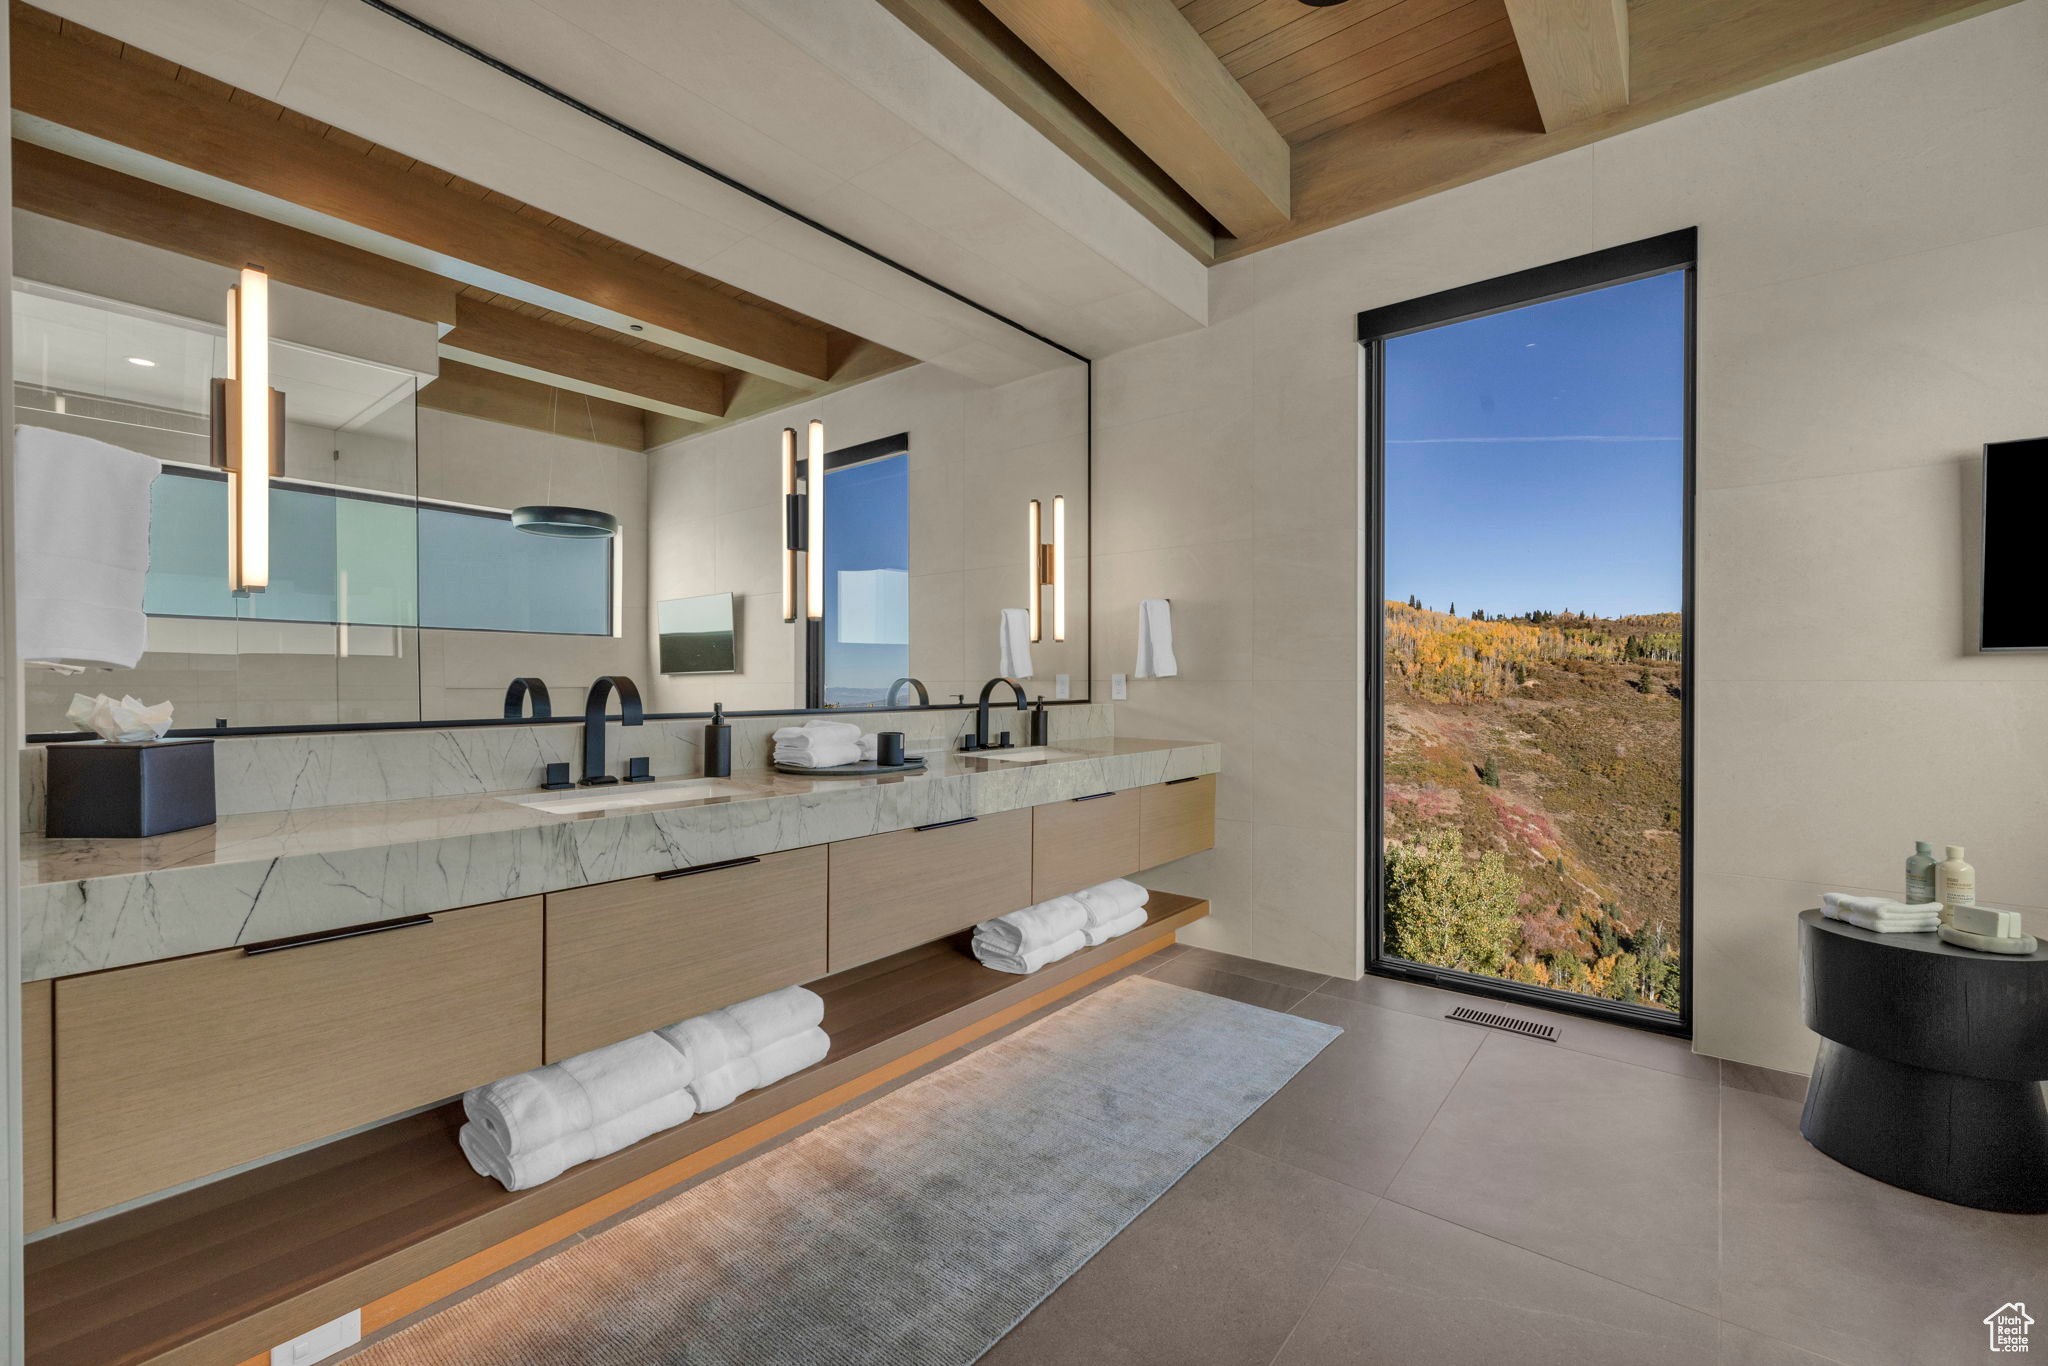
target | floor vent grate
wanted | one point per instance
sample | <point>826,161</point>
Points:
<point>1513,1024</point>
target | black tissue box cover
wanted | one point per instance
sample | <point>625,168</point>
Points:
<point>101,789</point>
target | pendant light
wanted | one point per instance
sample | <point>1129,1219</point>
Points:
<point>555,519</point>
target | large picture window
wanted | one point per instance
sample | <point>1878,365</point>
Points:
<point>1530,470</point>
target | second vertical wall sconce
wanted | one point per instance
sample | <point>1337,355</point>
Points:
<point>803,524</point>
<point>1049,569</point>
<point>248,431</point>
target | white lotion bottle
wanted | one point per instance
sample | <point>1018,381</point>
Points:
<point>1955,883</point>
<point>1920,874</point>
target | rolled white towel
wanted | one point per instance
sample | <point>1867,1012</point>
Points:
<point>531,1110</point>
<point>776,1016</point>
<point>784,1057</point>
<point>829,755</point>
<point>814,733</point>
<point>1033,927</point>
<point>1102,934</point>
<point>707,1042</point>
<point>1023,964</point>
<point>1112,900</point>
<point>523,1170</point>
<point>870,748</point>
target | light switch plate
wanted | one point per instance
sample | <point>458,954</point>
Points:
<point>318,1344</point>
<point>1119,690</point>
<point>1062,688</point>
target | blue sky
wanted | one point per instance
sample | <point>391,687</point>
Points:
<point>1535,457</point>
<point>867,512</point>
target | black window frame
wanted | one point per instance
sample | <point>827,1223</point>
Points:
<point>1665,254</point>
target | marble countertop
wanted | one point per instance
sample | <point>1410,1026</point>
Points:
<point>93,904</point>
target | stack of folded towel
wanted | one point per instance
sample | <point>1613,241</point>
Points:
<point>1025,941</point>
<point>750,1045</point>
<point>532,1127</point>
<point>1882,915</point>
<point>823,744</point>
<point>1114,908</point>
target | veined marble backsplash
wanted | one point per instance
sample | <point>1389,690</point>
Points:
<point>295,772</point>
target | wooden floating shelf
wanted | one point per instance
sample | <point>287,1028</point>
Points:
<point>393,1219</point>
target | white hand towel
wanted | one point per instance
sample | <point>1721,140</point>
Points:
<point>1031,961</point>
<point>81,526</point>
<point>1112,900</point>
<point>830,754</point>
<point>517,1171</point>
<point>1155,640</point>
<point>1887,924</point>
<point>1102,934</point>
<point>707,1042</point>
<point>531,1110</point>
<point>1877,905</point>
<point>1013,640</point>
<point>776,1016</point>
<point>813,733</point>
<point>780,1059</point>
<point>1033,927</point>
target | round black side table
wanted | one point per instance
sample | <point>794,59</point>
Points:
<point>1930,1066</point>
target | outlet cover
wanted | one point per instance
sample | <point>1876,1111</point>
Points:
<point>318,1344</point>
<point>1119,690</point>
<point>1062,687</point>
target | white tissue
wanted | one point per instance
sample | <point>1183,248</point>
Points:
<point>127,719</point>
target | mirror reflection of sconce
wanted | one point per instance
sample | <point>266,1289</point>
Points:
<point>803,523</point>
<point>248,431</point>
<point>1049,570</point>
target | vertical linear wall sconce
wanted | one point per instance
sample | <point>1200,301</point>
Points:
<point>248,431</point>
<point>814,537</point>
<point>792,524</point>
<point>1049,569</point>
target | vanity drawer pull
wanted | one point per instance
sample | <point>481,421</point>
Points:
<point>1176,782</point>
<point>1095,796</point>
<point>704,868</point>
<point>300,941</point>
<point>941,825</point>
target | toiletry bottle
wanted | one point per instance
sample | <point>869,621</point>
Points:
<point>1955,882</point>
<point>717,744</point>
<point>1920,874</point>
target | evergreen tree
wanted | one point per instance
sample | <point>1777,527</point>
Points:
<point>1490,775</point>
<point>1643,681</point>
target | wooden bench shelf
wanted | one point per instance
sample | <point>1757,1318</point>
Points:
<point>392,1219</point>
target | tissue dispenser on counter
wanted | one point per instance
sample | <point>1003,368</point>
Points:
<point>104,789</point>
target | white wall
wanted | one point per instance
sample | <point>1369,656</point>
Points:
<point>978,454</point>
<point>1873,306</point>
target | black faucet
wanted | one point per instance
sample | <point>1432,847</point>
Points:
<point>593,724</point>
<point>979,740</point>
<point>924,699</point>
<point>519,691</point>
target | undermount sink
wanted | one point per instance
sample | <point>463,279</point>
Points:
<point>1029,754</point>
<point>632,794</point>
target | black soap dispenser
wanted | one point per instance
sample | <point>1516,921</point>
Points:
<point>717,744</point>
<point>1041,724</point>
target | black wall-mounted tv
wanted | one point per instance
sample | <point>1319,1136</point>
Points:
<point>2015,555</point>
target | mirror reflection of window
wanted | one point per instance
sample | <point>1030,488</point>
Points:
<point>867,578</point>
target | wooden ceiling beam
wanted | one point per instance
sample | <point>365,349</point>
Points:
<point>498,338</point>
<point>1576,56</point>
<point>472,391</point>
<point>1150,73</point>
<point>131,105</point>
<point>90,196</point>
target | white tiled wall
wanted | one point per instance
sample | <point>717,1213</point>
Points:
<point>1873,307</point>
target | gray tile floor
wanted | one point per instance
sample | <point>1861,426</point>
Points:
<point>1435,1194</point>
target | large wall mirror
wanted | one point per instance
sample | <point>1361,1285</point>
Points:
<point>421,413</point>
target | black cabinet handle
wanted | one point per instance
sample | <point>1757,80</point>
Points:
<point>1095,796</point>
<point>941,825</point>
<point>1176,782</point>
<point>704,868</point>
<point>300,941</point>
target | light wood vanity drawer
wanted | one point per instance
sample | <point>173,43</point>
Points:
<point>627,957</point>
<point>1078,843</point>
<point>173,1070</point>
<point>38,1190</point>
<point>895,891</point>
<point>1179,819</point>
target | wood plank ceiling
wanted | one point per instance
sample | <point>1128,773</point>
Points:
<point>80,79</point>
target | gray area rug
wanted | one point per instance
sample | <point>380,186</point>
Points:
<point>915,1231</point>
